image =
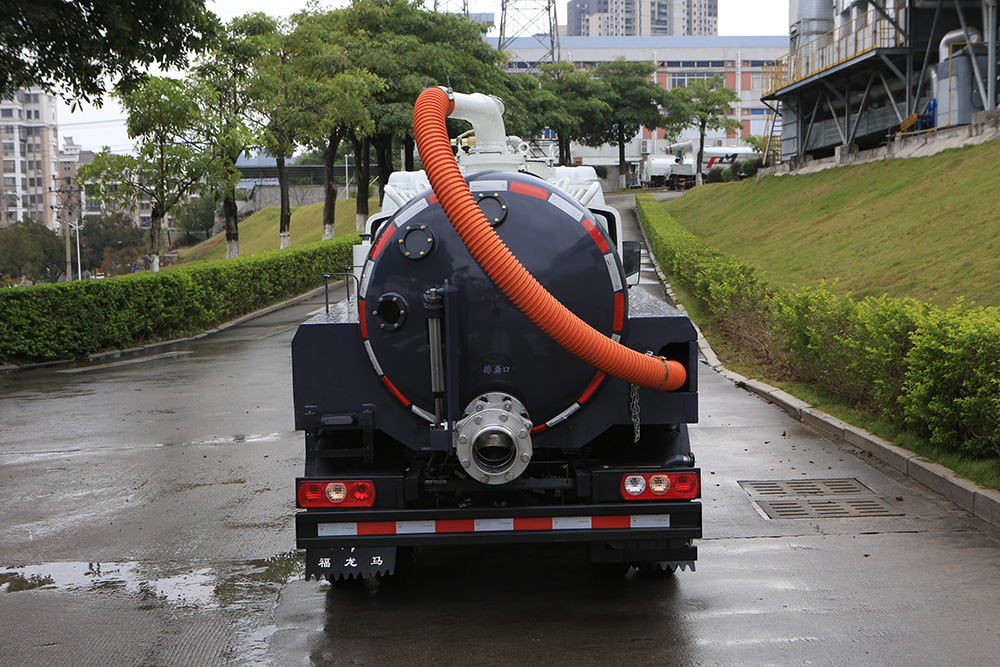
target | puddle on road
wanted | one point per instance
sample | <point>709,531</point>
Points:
<point>205,587</point>
<point>245,591</point>
<point>125,362</point>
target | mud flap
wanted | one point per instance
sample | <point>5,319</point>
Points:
<point>350,563</point>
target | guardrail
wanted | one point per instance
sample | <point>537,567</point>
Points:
<point>866,33</point>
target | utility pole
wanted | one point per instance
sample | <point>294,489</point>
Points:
<point>69,198</point>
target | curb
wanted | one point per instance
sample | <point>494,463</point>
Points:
<point>977,500</point>
<point>97,356</point>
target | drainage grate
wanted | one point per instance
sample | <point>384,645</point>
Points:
<point>806,487</point>
<point>811,499</point>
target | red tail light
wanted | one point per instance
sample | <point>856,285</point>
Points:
<point>660,486</point>
<point>337,493</point>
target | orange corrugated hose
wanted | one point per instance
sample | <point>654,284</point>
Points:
<point>429,113</point>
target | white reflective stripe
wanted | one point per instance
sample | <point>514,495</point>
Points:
<point>414,527</point>
<point>336,529</point>
<point>408,213</point>
<point>616,278</point>
<point>492,525</point>
<point>423,413</point>
<point>563,415</point>
<point>566,206</point>
<point>365,277</point>
<point>616,337</point>
<point>571,522</point>
<point>371,355</point>
<point>482,186</point>
<point>650,521</point>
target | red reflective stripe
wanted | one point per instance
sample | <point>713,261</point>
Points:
<point>619,310</point>
<point>433,199</point>
<point>599,522</point>
<point>384,239</point>
<point>595,234</point>
<point>533,523</point>
<point>539,428</point>
<point>392,388</point>
<point>591,388</point>
<point>455,526</point>
<point>377,528</point>
<point>530,190</point>
<point>361,318</point>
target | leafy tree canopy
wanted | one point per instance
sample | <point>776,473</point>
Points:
<point>107,233</point>
<point>77,46</point>
<point>30,251</point>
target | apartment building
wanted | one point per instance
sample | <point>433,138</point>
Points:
<point>30,157</point>
<point>641,18</point>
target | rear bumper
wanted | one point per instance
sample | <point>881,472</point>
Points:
<point>521,525</point>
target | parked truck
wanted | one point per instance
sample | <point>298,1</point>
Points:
<point>493,380</point>
<point>676,169</point>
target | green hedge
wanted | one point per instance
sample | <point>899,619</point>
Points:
<point>937,372</point>
<point>69,320</point>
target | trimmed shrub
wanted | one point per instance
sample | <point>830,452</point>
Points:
<point>68,320</point>
<point>952,386</point>
<point>936,371</point>
<point>714,175</point>
<point>727,175</point>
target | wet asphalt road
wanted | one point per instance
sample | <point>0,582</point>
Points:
<point>147,520</point>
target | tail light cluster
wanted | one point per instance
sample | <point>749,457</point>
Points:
<point>660,486</point>
<point>334,493</point>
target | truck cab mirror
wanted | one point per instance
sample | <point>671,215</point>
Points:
<point>631,259</point>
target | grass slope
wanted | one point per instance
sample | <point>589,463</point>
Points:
<point>927,228</point>
<point>259,232</point>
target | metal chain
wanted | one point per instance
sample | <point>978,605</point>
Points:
<point>634,409</point>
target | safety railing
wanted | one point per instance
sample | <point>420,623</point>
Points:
<point>866,33</point>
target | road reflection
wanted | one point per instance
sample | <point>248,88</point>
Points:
<point>507,606</point>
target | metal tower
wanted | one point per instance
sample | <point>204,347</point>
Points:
<point>529,18</point>
<point>452,7</point>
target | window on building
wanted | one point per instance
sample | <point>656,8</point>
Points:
<point>6,113</point>
<point>9,166</point>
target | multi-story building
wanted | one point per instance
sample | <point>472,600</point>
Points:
<point>740,60</point>
<point>641,18</point>
<point>30,161</point>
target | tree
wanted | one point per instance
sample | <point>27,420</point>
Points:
<point>286,98</point>
<point>755,141</point>
<point>30,251</point>
<point>80,45</point>
<point>225,74</point>
<point>107,233</point>
<point>633,102</point>
<point>706,105</point>
<point>197,215</point>
<point>344,92</point>
<point>573,106</point>
<point>410,48</point>
<point>170,161</point>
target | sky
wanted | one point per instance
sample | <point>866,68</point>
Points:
<point>93,128</point>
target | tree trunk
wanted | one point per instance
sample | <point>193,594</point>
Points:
<point>362,171</point>
<point>385,165</point>
<point>284,228</point>
<point>408,153</point>
<point>698,179</point>
<point>155,220</point>
<point>330,186</point>
<point>565,156</point>
<point>232,228</point>
<point>623,169</point>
